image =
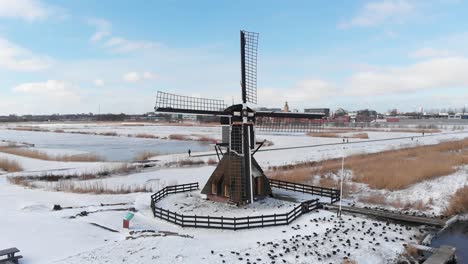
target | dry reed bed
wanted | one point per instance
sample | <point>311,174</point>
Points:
<point>419,130</point>
<point>458,203</point>
<point>338,135</point>
<point>10,165</point>
<point>65,183</point>
<point>143,135</point>
<point>392,170</point>
<point>381,199</point>
<point>145,155</point>
<point>95,187</point>
<point>99,188</point>
<point>36,154</point>
<point>200,138</point>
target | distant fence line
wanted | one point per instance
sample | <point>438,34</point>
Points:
<point>238,223</point>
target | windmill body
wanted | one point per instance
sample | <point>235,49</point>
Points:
<point>238,178</point>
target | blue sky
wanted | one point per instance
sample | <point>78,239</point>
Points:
<point>77,56</point>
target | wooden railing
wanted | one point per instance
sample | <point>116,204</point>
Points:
<point>189,187</point>
<point>221,222</point>
<point>334,194</point>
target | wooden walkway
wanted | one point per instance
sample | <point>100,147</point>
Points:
<point>442,255</point>
<point>393,216</point>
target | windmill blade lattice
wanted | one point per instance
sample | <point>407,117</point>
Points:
<point>249,48</point>
<point>166,102</point>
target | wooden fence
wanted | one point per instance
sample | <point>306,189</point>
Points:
<point>221,222</point>
<point>334,194</point>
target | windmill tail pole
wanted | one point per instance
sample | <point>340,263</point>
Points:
<point>247,151</point>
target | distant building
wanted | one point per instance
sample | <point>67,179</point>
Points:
<point>325,111</point>
<point>341,112</point>
<point>286,107</point>
<point>267,109</point>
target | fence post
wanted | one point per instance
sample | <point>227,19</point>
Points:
<point>235,225</point>
<point>248,222</point>
<point>275,219</point>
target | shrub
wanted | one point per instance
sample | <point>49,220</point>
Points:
<point>10,165</point>
<point>178,137</point>
<point>110,134</point>
<point>458,203</point>
<point>144,135</point>
<point>36,154</point>
<point>212,161</point>
<point>145,155</point>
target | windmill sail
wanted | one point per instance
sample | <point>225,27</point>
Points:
<point>172,103</point>
<point>249,45</point>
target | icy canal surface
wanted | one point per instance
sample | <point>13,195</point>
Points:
<point>110,148</point>
<point>457,236</point>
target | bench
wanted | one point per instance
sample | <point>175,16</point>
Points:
<point>10,256</point>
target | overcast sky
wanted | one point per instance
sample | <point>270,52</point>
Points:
<point>77,56</point>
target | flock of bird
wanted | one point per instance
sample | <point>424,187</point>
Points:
<point>340,242</point>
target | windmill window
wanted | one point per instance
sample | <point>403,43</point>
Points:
<point>213,188</point>
<point>226,191</point>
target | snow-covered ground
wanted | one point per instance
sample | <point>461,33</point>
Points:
<point>46,236</point>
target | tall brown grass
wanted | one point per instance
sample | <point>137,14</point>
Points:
<point>392,170</point>
<point>338,135</point>
<point>195,137</point>
<point>418,130</point>
<point>458,203</point>
<point>144,135</point>
<point>29,128</point>
<point>178,137</point>
<point>108,134</point>
<point>98,187</point>
<point>145,155</point>
<point>36,154</point>
<point>10,165</point>
<point>381,199</point>
<point>212,161</point>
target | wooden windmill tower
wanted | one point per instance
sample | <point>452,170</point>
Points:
<point>238,178</point>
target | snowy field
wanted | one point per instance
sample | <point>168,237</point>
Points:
<point>68,236</point>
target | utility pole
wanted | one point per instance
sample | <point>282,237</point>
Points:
<point>342,179</point>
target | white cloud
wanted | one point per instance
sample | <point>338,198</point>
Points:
<point>131,76</point>
<point>103,28</point>
<point>121,45</point>
<point>375,13</point>
<point>29,10</point>
<point>430,52</point>
<point>98,82</point>
<point>14,57</point>
<point>117,44</point>
<point>148,75</point>
<point>138,76</point>
<point>50,88</point>
<point>447,72</point>
<point>306,92</point>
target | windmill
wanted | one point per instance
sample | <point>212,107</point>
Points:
<point>238,178</point>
